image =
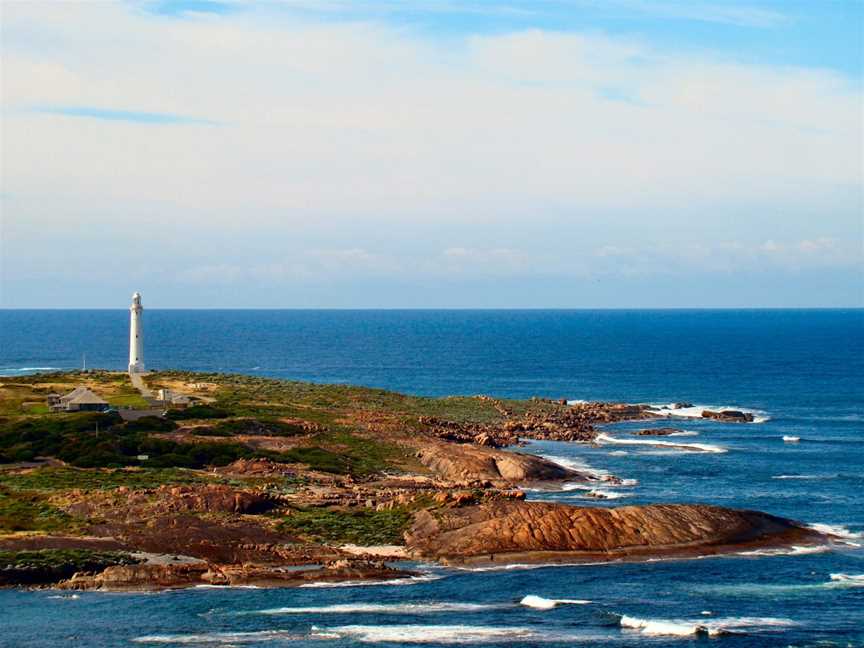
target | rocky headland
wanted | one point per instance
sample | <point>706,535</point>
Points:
<point>274,483</point>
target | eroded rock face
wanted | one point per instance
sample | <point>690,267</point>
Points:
<point>161,576</point>
<point>216,498</point>
<point>139,577</point>
<point>469,462</point>
<point>540,531</point>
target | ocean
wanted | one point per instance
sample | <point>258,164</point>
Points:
<point>801,372</point>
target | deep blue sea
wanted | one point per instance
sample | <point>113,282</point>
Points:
<point>800,371</point>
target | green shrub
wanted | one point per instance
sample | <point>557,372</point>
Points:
<point>46,566</point>
<point>49,478</point>
<point>150,424</point>
<point>26,511</point>
<point>197,412</point>
<point>251,426</point>
<point>363,527</point>
<point>319,459</point>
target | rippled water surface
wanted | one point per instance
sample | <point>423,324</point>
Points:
<point>801,372</point>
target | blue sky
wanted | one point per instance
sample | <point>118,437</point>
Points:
<point>569,153</point>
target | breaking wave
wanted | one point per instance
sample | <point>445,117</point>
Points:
<point>540,603</point>
<point>443,634</point>
<point>380,608</point>
<point>690,447</point>
<point>847,580</point>
<point>593,492</point>
<point>695,411</point>
<point>713,627</point>
<point>794,550</point>
<point>838,531</point>
<point>578,466</point>
<point>221,637</point>
<point>411,580</point>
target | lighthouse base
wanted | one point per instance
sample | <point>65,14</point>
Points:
<point>136,368</point>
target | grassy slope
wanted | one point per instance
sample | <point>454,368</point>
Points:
<point>341,442</point>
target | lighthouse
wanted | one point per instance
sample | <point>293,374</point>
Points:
<point>136,341</point>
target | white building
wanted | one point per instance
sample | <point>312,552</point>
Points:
<point>136,339</point>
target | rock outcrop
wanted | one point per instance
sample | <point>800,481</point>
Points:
<point>167,576</point>
<point>474,463</point>
<point>664,431</point>
<point>139,577</point>
<point>731,416</point>
<point>537,531</point>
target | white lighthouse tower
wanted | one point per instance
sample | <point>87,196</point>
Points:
<point>136,340</point>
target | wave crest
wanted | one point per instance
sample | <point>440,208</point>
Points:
<point>540,603</point>
<point>714,627</point>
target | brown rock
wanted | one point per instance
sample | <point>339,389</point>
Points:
<point>665,431</point>
<point>543,531</point>
<point>733,416</point>
<point>140,577</point>
<point>468,462</point>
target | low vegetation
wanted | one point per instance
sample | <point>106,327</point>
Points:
<point>363,527</point>
<point>45,566</point>
<point>50,479</point>
<point>80,559</point>
<point>251,426</point>
<point>29,511</point>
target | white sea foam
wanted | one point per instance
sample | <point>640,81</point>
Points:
<point>224,587</point>
<point>576,465</point>
<point>847,580</point>
<point>445,634</point>
<point>683,433</point>
<point>540,603</point>
<point>690,447</point>
<point>221,637</point>
<point>380,608</point>
<point>521,566</point>
<point>618,453</point>
<point>604,493</point>
<point>794,550</point>
<point>803,476</point>
<point>65,597</point>
<point>835,530</point>
<point>838,531</point>
<point>669,409</point>
<point>712,627</point>
<point>411,580</point>
<point>582,467</point>
<point>791,439</point>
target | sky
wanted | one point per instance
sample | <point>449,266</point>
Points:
<point>432,154</point>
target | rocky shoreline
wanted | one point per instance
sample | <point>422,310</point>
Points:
<point>293,484</point>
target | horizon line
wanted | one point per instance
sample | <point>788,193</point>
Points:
<point>449,308</point>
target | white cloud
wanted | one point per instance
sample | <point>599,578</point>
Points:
<point>343,149</point>
<point>359,118</point>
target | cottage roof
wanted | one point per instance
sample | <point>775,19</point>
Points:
<point>87,397</point>
<point>74,393</point>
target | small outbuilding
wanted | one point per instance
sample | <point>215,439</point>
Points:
<point>87,401</point>
<point>79,399</point>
